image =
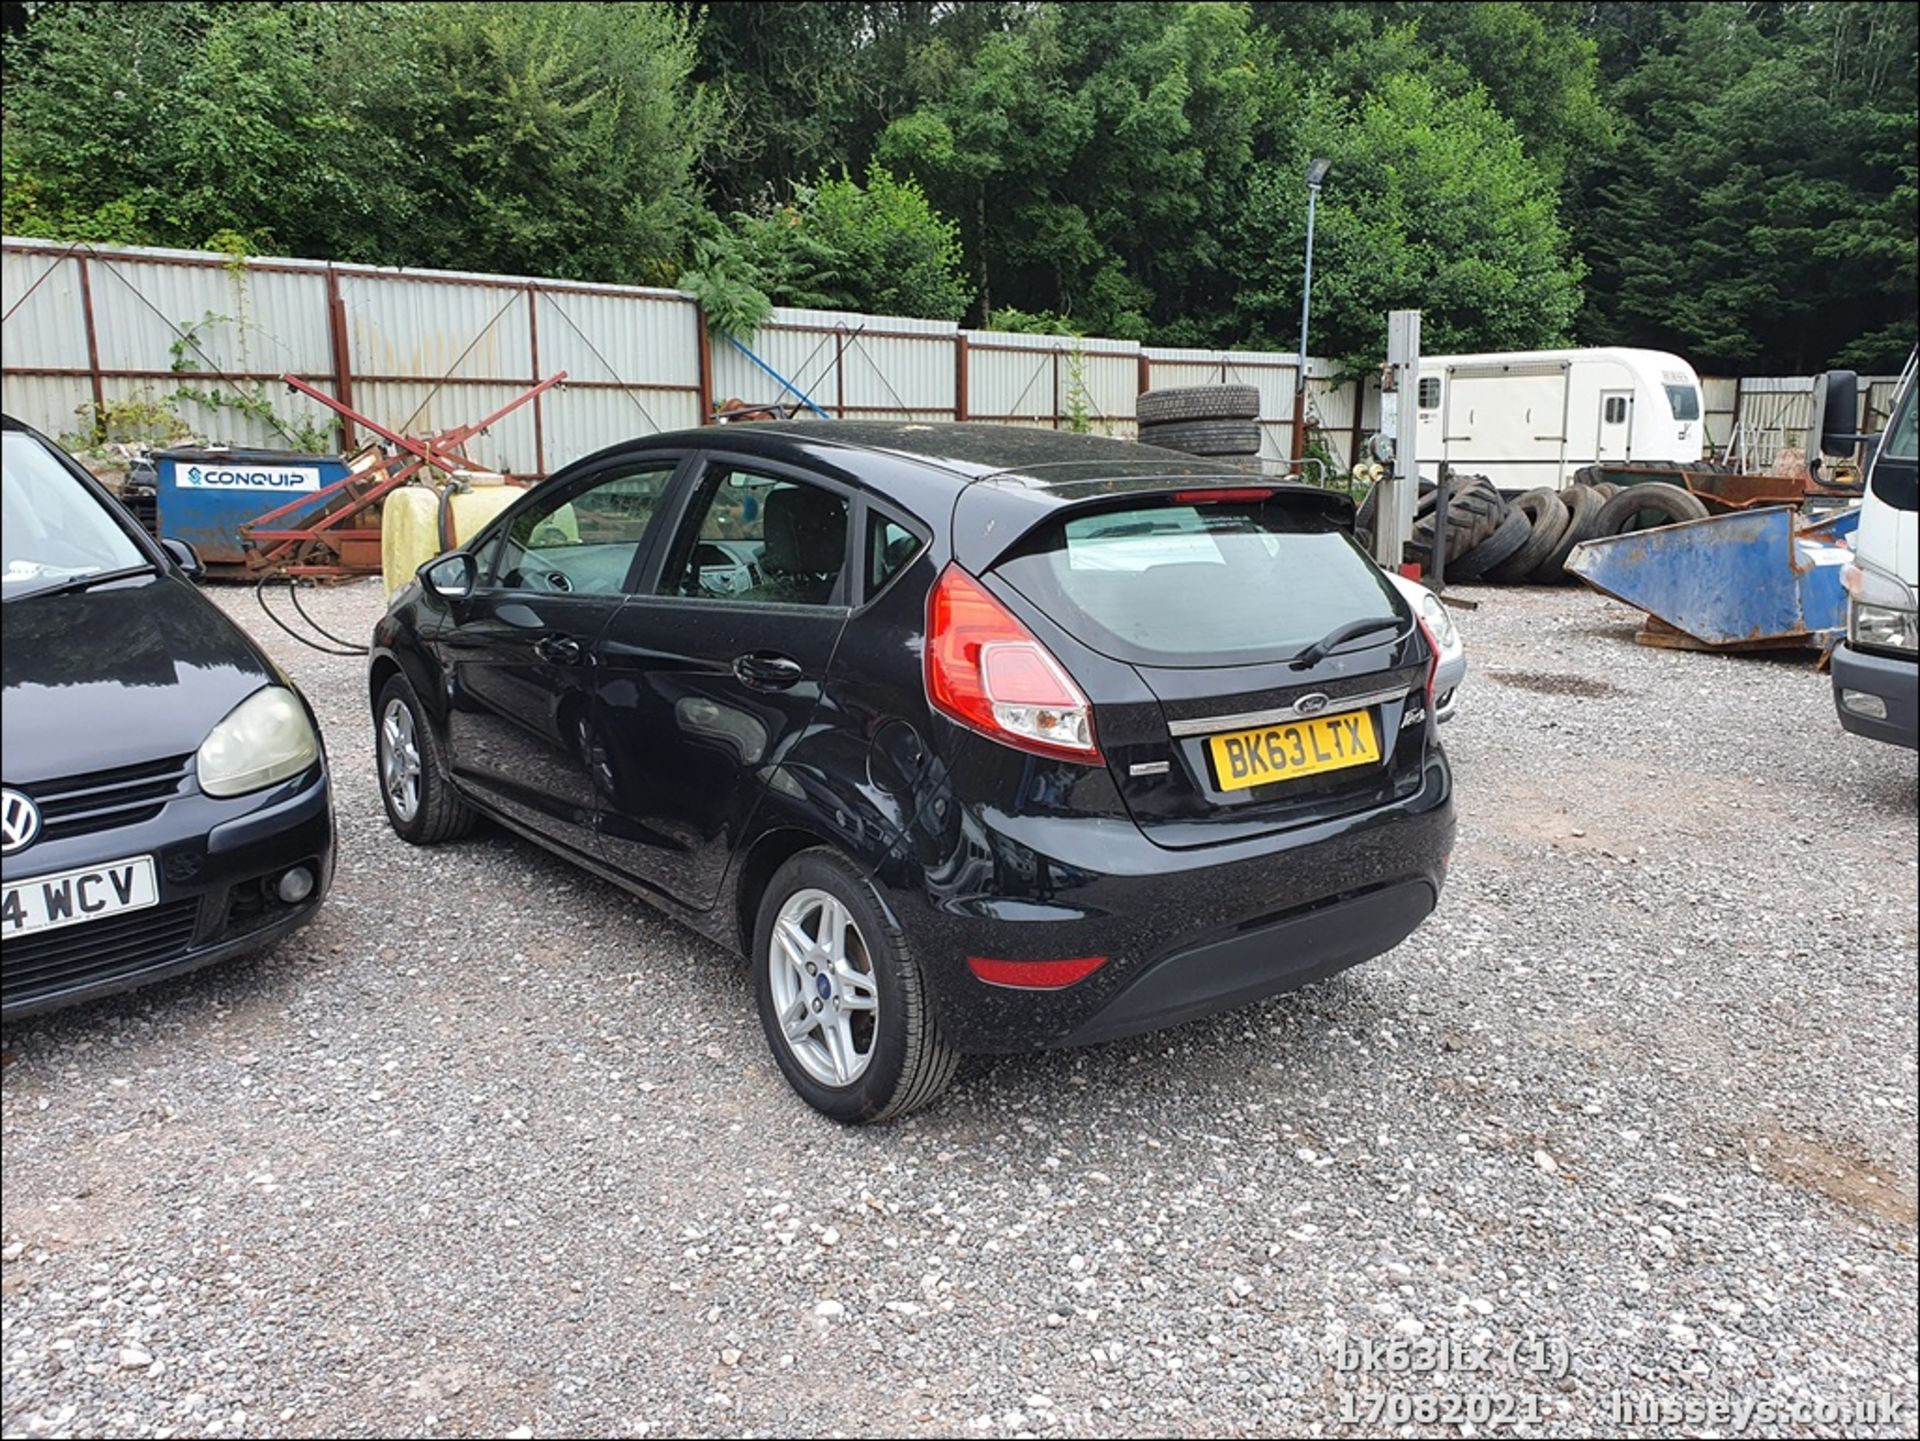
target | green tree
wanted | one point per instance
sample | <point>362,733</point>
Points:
<point>1761,212</point>
<point>556,139</point>
<point>841,245</point>
<point>1093,155</point>
<point>1431,203</point>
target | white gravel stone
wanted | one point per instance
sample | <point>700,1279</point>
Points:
<point>1703,1009</point>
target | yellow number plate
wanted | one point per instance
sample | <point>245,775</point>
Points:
<point>1294,748</point>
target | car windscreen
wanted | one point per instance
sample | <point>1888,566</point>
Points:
<point>51,528</point>
<point>1683,401</point>
<point>1171,584</point>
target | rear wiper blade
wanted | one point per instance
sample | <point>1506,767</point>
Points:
<point>86,582</point>
<point>1340,634</point>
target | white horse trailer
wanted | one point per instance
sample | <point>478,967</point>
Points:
<point>1527,418</point>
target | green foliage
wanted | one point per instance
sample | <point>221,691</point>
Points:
<point>1761,212</point>
<point>727,286</point>
<point>840,245</point>
<point>1093,154</point>
<point>1734,181</point>
<point>1032,322</point>
<point>243,398</point>
<point>136,419</point>
<point>1430,203</point>
<point>1078,412</point>
<point>556,139</point>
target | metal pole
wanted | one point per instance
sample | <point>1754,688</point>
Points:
<point>1299,438</point>
<point>1399,421</point>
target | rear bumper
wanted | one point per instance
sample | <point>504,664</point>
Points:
<point>1267,960</point>
<point>1894,682</point>
<point>1185,933</point>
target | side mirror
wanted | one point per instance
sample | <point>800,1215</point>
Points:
<point>184,556</point>
<point>450,577</point>
<point>1836,412</point>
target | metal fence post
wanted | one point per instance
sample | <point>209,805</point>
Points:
<point>706,362</point>
<point>960,376</point>
<point>533,349</point>
<point>342,358</point>
<point>93,350</point>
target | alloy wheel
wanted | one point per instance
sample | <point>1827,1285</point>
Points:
<point>400,760</point>
<point>824,991</point>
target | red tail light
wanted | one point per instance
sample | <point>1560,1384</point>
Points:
<point>988,672</point>
<point>1433,658</point>
<point>1034,975</point>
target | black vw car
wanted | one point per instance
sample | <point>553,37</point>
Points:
<point>971,738</point>
<point>166,798</point>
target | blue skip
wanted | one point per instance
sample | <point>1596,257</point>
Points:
<point>1750,580</point>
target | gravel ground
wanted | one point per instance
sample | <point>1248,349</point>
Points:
<point>491,1149</point>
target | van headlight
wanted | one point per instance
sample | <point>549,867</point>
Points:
<point>266,738</point>
<point>1881,611</point>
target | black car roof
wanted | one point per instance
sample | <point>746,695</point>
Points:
<point>1020,455</point>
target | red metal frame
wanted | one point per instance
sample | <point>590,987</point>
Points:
<point>298,548</point>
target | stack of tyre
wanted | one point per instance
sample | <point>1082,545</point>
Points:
<point>1217,420</point>
<point>1526,540</point>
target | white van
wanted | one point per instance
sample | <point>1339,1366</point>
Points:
<point>1876,670</point>
<point>1526,418</point>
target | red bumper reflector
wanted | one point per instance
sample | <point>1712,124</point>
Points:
<point>1034,975</point>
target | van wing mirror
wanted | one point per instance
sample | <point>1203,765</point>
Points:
<point>1836,412</point>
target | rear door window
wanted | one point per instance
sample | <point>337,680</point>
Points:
<point>1199,585</point>
<point>763,539</point>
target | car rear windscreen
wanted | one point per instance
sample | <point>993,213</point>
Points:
<point>1198,585</point>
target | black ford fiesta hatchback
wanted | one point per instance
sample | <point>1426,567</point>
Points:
<point>167,803</point>
<point>970,738</point>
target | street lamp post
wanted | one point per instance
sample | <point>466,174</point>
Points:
<point>1316,174</point>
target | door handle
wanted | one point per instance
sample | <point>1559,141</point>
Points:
<point>558,649</point>
<point>767,670</point>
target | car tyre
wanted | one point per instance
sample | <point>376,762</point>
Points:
<point>1205,437</point>
<point>1197,402</point>
<point>1507,539</point>
<point>883,1055</point>
<point>1667,504</point>
<point>1546,514</point>
<point>1583,510</point>
<point>428,810</point>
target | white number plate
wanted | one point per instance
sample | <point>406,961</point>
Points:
<point>46,903</point>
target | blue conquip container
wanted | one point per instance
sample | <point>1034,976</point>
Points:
<point>206,495</point>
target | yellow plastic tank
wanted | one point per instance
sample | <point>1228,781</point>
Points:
<point>475,507</point>
<point>410,522</point>
<point>409,533</point>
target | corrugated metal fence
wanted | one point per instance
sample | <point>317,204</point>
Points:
<point>120,332</point>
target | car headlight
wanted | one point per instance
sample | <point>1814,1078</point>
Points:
<point>266,738</point>
<point>1881,610</point>
<point>1438,621</point>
